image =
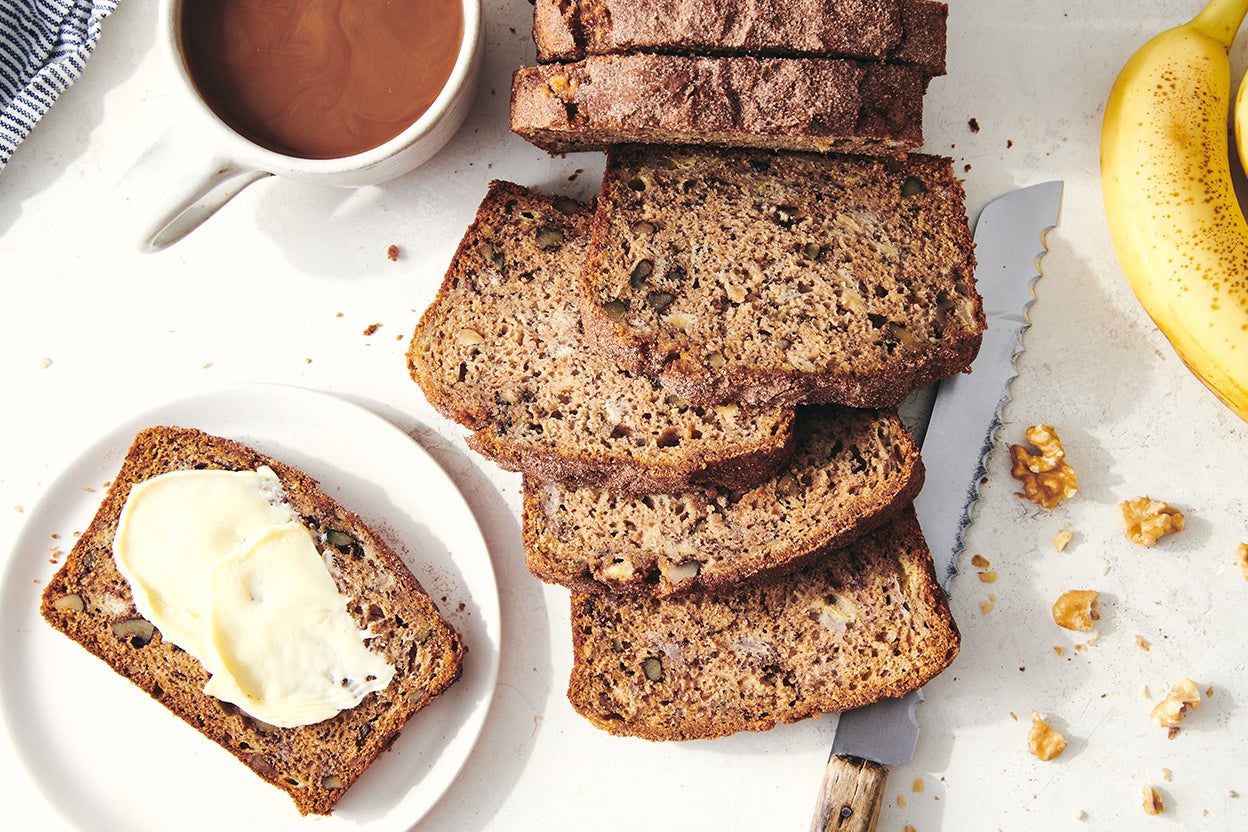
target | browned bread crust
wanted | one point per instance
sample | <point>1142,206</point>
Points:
<point>899,31</point>
<point>814,104</point>
<point>89,601</point>
<point>862,623</point>
<point>852,471</point>
<point>501,351</point>
<point>776,278</point>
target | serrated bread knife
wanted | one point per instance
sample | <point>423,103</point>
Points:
<point>1009,242</point>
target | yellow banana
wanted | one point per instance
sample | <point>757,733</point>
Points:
<point>1173,215</point>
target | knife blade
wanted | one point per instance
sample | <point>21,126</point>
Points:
<point>957,437</point>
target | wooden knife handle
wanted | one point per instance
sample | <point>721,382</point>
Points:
<point>850,796</point>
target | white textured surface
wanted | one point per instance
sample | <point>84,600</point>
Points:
<point>282,284</point>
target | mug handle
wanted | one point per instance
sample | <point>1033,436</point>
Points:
<point>196,197</point>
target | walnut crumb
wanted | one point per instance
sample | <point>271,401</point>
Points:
<point>1062,539</point>
<point>988,606</point>
<point>1042,741</point>
<point>392,252</point>
<point>1184,696</point>
<point>918,785</point>
<point>1146,520</point>
<point>1152,801</point>
<point>1241,556</point>
<point>901,801</point>
<point>980,562</point>
<point>1142,643</point>
<point>1077,609</point>
<point>1046,477</point>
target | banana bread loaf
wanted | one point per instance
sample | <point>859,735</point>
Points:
<point>501,350</point>
<point>852,470</point>
<point>90,601</point>
<point>814,104</point>
<point>898,31</point>
<point>775,278</point>
<point>859,624</point>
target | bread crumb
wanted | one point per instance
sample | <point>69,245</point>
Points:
<point>371,329</point>
<point>1241,557</point>
<point>1170,711</point>
<point>980,562</point>
<point>988,606</point>
<point>1152,801</point>
<point>1062,539</point>
<point>973,124</point>
<point>392,252</point>
<point>19,509</point>
<point>1232,794</point>
<point>1077,609</point>
<point>1142,643</point>
<point>1042,741</point>
<point>1079,814</point>
<point>1146,520</point>
<point>45,363</point>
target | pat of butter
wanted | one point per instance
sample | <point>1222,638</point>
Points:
<point>287,651</point>
<point>218,562</point>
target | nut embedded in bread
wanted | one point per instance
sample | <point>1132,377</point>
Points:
<point>897,31</point>
<point>813,104</point>
<point>501,351</point>
<point>861,623</point>
<point>91,602</point>
<point>852,470</point>
<point>784,277</point>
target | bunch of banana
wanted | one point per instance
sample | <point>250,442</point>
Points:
<point>1173,215</point>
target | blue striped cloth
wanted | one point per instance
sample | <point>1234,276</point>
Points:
<point>44,45</point>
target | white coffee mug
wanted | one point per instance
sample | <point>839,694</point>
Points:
<point>197,188</point>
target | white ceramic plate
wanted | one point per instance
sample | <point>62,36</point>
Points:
<point>108,757</point>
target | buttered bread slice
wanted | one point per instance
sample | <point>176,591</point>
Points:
<point>861,623</point>
<point>501,350</point>
<point>851,471</point>
<point>775,278</point>
<point>249,603</point>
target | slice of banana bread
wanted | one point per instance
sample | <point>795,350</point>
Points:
<point>501,350</point>
<point>774,278</point>
<point>899,31</point>
<point>852,470</point>
<point>862,623</point>
<point>814,104</point>
<point>90,601</point>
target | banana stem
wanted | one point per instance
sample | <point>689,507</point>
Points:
<point>1220,20</point>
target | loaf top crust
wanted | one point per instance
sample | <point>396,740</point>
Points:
<point>501,350</point>
<point>904,31</point>
<point>89,601</point>
<point>852,470</point>
<point>815,104</point>
<point>777,278</point>
<point>861,623</point>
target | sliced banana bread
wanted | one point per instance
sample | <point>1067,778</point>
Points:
<point>861,623</point>
<point>815,104</point>
<point>774,278</point>
<point>501,350</point>
<point>90,601</point>
<point>852,470</point>
<point>900,31</point>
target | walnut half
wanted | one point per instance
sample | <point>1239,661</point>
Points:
<point>1046,477</point>
<point>1146,520</point>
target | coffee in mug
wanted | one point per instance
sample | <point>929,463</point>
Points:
<point>320,79</point>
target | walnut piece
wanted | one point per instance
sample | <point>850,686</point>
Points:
<point>1184,696</point>
<point>1042,741</point>
<point>1146,520</point>
<point>1152,801</point>
<point>1241,555</point>
<point>1062,539</point>
<point>1046,477</point>
<point>1076,609</point>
